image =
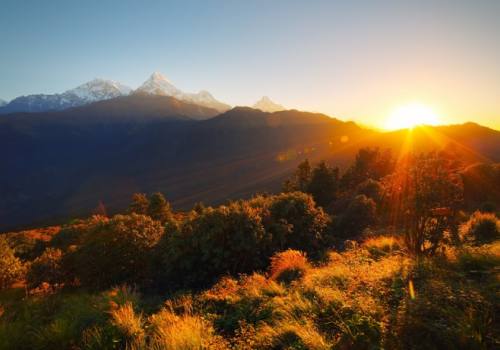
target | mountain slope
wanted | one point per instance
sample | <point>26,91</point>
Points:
<point>63,164</point>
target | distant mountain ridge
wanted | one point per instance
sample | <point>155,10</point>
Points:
<point>59,165</point>
<point>100,90</point>
<point>2,102</point>
<point>92,91</point>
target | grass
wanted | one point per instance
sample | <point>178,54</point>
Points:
<point>372,296</point>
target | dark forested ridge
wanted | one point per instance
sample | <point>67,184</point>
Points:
<point>60,165</point>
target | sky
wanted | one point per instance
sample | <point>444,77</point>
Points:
<point>355,60</point>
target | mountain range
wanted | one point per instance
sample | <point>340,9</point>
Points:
<point>60,164</point>
<point>100,90</point>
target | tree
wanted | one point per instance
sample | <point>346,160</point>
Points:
<point>301,178</point>
<point>11,268</point>
<point>370,163</point>
<point>360,213</point>
<point>425,193</point>
<point>159,209</point>
<point>324,184</point>
<point>372,189</point>
<point>140,204</point>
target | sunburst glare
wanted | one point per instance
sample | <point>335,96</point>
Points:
<point>411,115</point>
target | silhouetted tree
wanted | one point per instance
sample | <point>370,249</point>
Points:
<point>372,189</point>
<point>301,178</point>
<point>323,185</point>
<point>370,163</point>
<point>360,213</point>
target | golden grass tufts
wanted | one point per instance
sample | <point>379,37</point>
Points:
<point>128,324</point>
<point>382,245</point>
<point>288,266</point>
<point>182,332</point>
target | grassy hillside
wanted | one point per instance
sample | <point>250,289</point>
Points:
<point>372,295</point>
<point>390,255</point>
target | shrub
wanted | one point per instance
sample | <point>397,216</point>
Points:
<point>11,268</point>
<point>76,232</point>
<point>46,268</point>
<point>292,220</point>
<point>228,239</point>
<point>481,228</point>
<point>288,266</point>
<point>115,251</point>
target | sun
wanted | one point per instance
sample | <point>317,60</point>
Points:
<point>410,115</point>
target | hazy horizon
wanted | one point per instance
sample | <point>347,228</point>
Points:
<point>355,61</point>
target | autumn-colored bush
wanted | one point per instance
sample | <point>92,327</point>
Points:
<point>46,268</point>
<point>481,228</point>
<point>11,268</point>
<point>288,265</point>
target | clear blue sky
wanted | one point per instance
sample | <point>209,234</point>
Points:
<point>354,59</point>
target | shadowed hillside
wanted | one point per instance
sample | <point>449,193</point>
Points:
<point>64,164</point>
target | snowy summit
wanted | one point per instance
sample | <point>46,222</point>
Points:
<point>265,104</point>
<point>158,84</point>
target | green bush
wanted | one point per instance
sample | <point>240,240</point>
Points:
<point>293,221</point>
<point>115,251</point>
<point>229,239</point>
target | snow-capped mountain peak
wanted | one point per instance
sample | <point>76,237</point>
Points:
<point>99,89</point>
<point>2,102</point>
<point>92,91</point>
<point>265,104</point>
<point>158,84</point>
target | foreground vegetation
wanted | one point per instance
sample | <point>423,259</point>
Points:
<point>382,257</point>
